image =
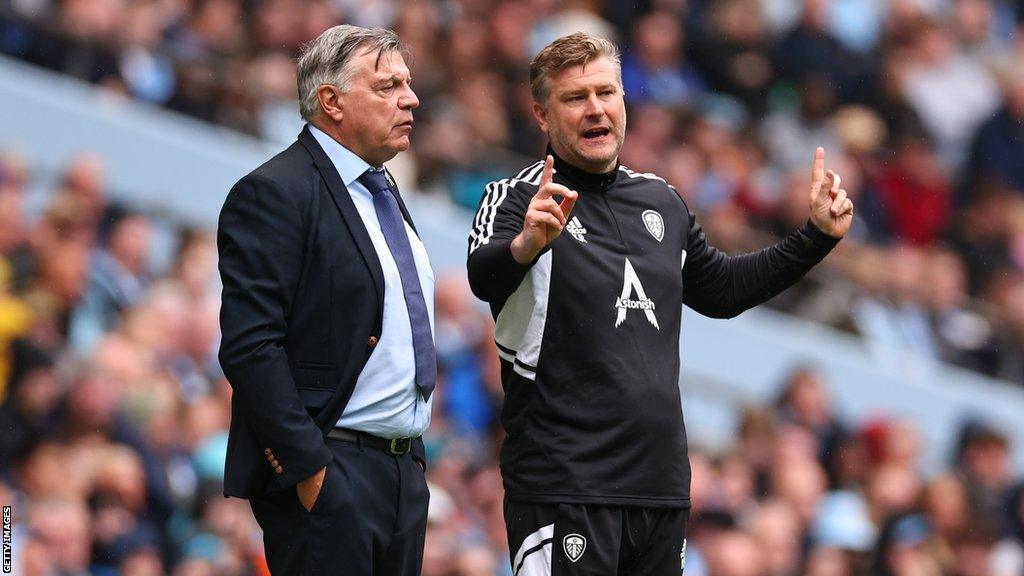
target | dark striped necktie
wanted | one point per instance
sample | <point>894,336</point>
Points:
<point>393,226</point>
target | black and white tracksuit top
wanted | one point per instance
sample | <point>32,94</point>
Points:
<point>588,333</point>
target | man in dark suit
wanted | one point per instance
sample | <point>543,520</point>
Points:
<point>327,325</point>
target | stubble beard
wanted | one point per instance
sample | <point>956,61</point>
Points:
<point>593,162</point>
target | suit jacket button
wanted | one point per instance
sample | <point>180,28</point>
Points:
<point>279,470</point>
<point>371,341</point>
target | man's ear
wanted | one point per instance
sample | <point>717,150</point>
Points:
<point>541,115</point>
<point>331,102</point>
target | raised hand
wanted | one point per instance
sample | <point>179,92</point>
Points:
<point>545,218</point>
<point>831,210</point>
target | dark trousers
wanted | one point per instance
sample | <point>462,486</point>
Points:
<point>369,519</point>
<point>595,540</point>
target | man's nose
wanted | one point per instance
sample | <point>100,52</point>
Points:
<point>593,106</point>
<point>409,100</point>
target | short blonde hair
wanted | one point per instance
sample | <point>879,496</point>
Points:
<point>572,50</point>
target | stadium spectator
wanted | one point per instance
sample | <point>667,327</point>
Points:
<point>657,71</point>
<point>734,52</point>
<point>790,134</point>
<point>118,278</point>
<point>804,403</point>
<point>994,155</point>
<point>915,191</point>
<point>952,93</point>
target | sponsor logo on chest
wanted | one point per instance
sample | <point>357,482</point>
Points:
<point>625,302</point>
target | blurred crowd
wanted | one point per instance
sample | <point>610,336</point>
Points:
<point>800,492</point>
<point>113,409</point>
<point>919,103</point>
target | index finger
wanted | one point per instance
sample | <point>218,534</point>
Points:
<point>818,170</point>
<point>548,175</point>
<point>568,201</point>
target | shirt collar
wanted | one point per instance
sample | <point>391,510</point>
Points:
<point>349,166</point>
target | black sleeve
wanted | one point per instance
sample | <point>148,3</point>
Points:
<point>493,273</point>
<point>722,286</point>
<point>260,243</point>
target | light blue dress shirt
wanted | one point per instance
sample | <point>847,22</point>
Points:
<point>385,401</point>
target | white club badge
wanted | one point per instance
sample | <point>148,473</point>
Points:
<point>574,546</point>
<point>654,223</point>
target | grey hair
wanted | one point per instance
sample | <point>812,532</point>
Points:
<point>328,58</point>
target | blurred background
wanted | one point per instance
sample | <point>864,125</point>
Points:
<point>865,422</point>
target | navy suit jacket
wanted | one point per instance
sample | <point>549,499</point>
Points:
<point>301,311</point>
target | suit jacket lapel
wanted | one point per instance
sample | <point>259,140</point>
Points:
<point>343,201</point>
<point>401,204</point>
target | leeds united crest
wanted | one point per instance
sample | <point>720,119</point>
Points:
<point>574,545</point>
<point>655,225</point>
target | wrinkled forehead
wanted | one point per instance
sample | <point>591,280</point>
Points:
<point>591,74</point>
<point>376,64</point>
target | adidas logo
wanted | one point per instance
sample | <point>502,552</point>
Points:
<point>577,230</point>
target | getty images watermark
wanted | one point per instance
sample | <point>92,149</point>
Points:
<point>7,539</point>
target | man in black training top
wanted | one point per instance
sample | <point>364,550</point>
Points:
<point>586,265</point>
